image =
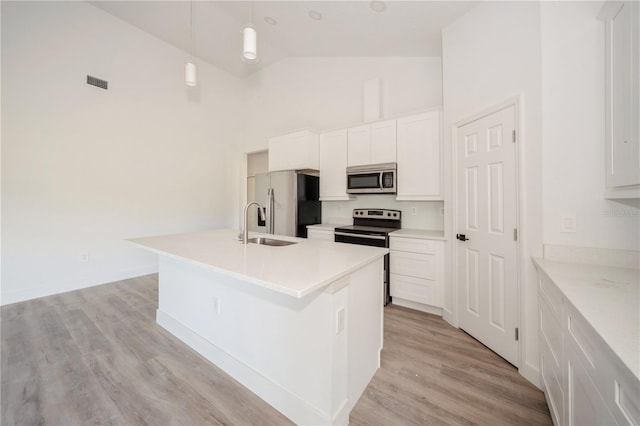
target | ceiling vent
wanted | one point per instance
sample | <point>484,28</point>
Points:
<point>103,84</point>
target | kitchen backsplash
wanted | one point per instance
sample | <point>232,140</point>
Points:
<point>428,214</point>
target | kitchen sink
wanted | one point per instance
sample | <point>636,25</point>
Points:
<point>270,242</point>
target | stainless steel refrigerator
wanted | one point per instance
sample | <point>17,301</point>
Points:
<point>291,199</point>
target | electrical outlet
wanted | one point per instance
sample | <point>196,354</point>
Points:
<point>414,211</point>
<point>340,320</point>
<point>84,257</point>
<point>215,304</point>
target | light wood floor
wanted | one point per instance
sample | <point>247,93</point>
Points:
<point>96,356</point>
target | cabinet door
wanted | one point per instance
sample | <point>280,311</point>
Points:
<point>294,151</point>
<point>383,142</point>
<point>419,157</point>
<point>622,92</point>
<point>359,145</point>
<point>585,405</point>
<point>333,165</point>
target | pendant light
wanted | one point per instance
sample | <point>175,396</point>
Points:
<point>190,78</point>
<point>250,39</point>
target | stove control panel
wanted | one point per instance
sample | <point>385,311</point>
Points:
<point>376,214</point>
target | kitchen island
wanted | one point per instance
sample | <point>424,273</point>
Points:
<point>299,325</point>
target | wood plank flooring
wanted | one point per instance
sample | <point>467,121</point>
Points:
<point>96,356</point>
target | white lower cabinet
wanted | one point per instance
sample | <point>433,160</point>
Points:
<point>320,234</point>
<point>584,382</point>
<point>417,271</point>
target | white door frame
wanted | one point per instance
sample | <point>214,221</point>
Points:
<point>514,101</point>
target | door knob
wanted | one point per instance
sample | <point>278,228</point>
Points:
<point>462,237</point>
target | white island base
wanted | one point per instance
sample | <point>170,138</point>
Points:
<point>309,357</point>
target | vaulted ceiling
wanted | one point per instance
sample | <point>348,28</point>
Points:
<point>293,28</point>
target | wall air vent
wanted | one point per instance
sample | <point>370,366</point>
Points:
<point>103,84</point>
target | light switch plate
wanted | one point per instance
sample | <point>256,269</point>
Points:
<point>568,224</point>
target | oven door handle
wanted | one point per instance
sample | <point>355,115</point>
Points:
<point>371,237</point>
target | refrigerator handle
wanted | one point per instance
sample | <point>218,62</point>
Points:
<point>270,207</point>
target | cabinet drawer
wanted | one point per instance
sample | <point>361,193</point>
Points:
<point>623,395</point>
<point>416,265</point>
<point>320,234</point>
<point>585,405</point>
<point>550,333</point>
<point>418,290</point>
<point>618,387</point>
<point>551,294</point>
<point>414,245</point>
<point>552,383</point>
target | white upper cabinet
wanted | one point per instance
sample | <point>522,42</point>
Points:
<point>383,142</point>
<point>372,143</point>
<point>419,157</point>
<point>294,151</point>
<point>622,91</point>
<point>333,165</point>
<point>359,145</point>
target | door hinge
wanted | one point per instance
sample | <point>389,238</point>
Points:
<point>517,334</point>
<point>515,234</point>
<point>513,136</point>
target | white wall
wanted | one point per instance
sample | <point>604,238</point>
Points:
<point>489,55</point>
<point>84,168</point>
<point>573,132</point>
<point>327,93</point>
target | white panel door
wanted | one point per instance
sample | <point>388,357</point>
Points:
<point>486,215</point>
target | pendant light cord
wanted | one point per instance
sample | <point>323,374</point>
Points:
<point>191,29</point>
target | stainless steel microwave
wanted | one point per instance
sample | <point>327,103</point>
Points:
<point>372,179</point>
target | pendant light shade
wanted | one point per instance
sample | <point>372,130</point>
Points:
<point>190,77</point>
<point>249,45</point>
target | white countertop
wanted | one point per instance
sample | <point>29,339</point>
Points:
<point>296,270</point>
<point>608,298</point>
<point>326,226</point>
<point>418,233</point>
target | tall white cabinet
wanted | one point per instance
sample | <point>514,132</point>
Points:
<point>333,166</point>
<point>622,94</point>
<point>419,157</point>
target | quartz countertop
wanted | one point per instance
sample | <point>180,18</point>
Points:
<point>418,233</point>
<point>295,270</point>
<point>608,298</point>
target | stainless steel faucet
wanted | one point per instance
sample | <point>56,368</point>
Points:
<point>245,232</point>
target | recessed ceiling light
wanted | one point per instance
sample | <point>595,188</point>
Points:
<point>269,20</point>
<point>378,6</point>
<point>315,15</point>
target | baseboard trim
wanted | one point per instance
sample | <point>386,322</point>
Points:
<point>64,287</point>
<point>531,373</point>
<point>296,409</point>
<point>417,306</point>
